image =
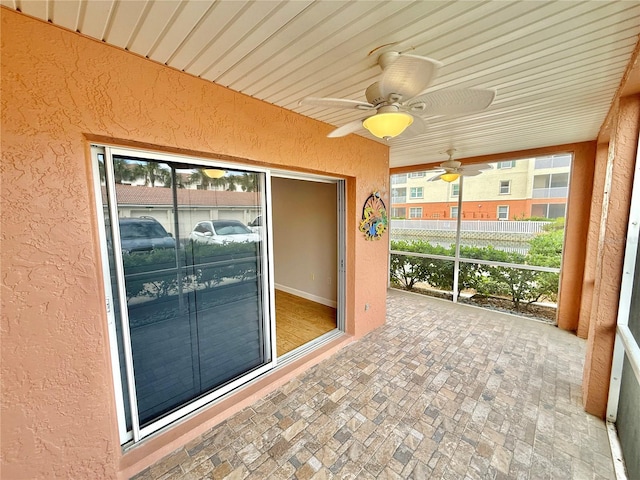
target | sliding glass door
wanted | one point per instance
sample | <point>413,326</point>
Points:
<point>188,283</point>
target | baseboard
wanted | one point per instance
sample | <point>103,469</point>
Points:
<point>307,295</point>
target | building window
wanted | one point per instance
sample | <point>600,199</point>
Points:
<point>398,179</point>
<point>398,212</point>
<point>503,212</point>
<point>553,161</point>
<point>505,187</point>
<point>455,189</point>
<point>454,212</point>
<point>417,175</point>
<point>416,192</point>
<point>509,164</point>
<point>398,195</point>
<point>548,210</point>
<point>415,212</point>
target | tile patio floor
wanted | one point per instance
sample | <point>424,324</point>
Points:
<point>441,391</point>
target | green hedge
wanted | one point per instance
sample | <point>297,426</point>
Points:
<point>156,274</point>
<point>521,286</point>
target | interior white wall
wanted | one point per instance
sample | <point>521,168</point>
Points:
<point>305,238</point>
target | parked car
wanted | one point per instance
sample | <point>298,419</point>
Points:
<point>222,231</point>
<point>143,234</point>
<point>256,225</point>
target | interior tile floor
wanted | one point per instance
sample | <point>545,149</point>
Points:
<point>442,391</point>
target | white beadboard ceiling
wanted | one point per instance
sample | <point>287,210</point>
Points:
<point>555,64</point>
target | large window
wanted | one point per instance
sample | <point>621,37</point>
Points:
<point>416,192</point>
<point>188,283</point>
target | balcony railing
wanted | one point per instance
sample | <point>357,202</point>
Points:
<point>395,200</point>
<point>555,192</point>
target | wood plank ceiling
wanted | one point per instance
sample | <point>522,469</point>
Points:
<point>555,64</point>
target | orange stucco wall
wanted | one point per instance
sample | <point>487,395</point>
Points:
<point>609,253</point>
<point>60,89</point>
<point>488,210</point>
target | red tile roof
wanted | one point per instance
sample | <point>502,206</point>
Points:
<point>141,195</point>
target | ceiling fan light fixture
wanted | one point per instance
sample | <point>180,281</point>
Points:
<point>450,177</point>
<point>387,125</point>
<point>213,172</point>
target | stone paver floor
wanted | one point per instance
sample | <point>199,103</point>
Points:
<point>441,391</point>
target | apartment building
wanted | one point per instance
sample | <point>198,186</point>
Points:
<point>513,189</point>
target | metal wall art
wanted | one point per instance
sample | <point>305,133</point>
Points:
<point>374,217</point>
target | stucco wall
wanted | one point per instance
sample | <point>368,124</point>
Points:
<point>614,220</point>
<point>58,90</point>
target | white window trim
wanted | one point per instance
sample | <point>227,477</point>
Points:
<point>417,209</point>
<point>139,432</point>
<point>498,212</point>
<point>412,196</point>
<point>508,192</point>
<point>451,209</point>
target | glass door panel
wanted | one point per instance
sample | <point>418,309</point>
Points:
<point>195,279</point>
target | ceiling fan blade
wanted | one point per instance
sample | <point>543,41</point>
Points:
<point>418,127</point>
<point>453,102</point>
<point>477,166</point>
<point>470,173</point>
<point>346,129</point>
<point>437,177</point>
<point>335,103</point>
<point>408,75</point>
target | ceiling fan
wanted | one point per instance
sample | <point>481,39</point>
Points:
<point>453,169</point>
<point>398,99</point>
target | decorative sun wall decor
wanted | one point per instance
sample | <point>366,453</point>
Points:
<point>374,217</point>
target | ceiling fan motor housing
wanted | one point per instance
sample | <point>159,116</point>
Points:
<point>374,95</point>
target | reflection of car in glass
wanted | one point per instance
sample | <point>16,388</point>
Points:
<point>143,234</point>
<point>222,231</point>
<point>256,226</point>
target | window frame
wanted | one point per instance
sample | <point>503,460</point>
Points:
<point>413,190</point>
<point>138,432</point>
<point>506,164</point>
<point>498,212</point>
<point>417,209</point>
<point>508,185</point>
<point>455,190</point>
<point>452,209</point>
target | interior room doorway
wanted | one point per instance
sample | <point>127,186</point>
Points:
<point>306,244</point>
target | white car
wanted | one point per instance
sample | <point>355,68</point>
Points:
<point>222,231</point>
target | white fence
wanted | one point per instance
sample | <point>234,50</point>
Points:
<point>484,226</point>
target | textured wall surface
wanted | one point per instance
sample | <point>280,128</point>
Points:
<point>610,255</point>
<point>576,233</point>
<point>589,278</point>
<point>58,89</point>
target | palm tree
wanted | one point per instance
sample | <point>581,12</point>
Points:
<point>152,172</point>
<point>232,183</point>
<point>249,182</point>
<point>198,177</point>
<point>123,171</point>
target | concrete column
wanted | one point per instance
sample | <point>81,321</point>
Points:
<point>610,254</point>
<point>589,278</point>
